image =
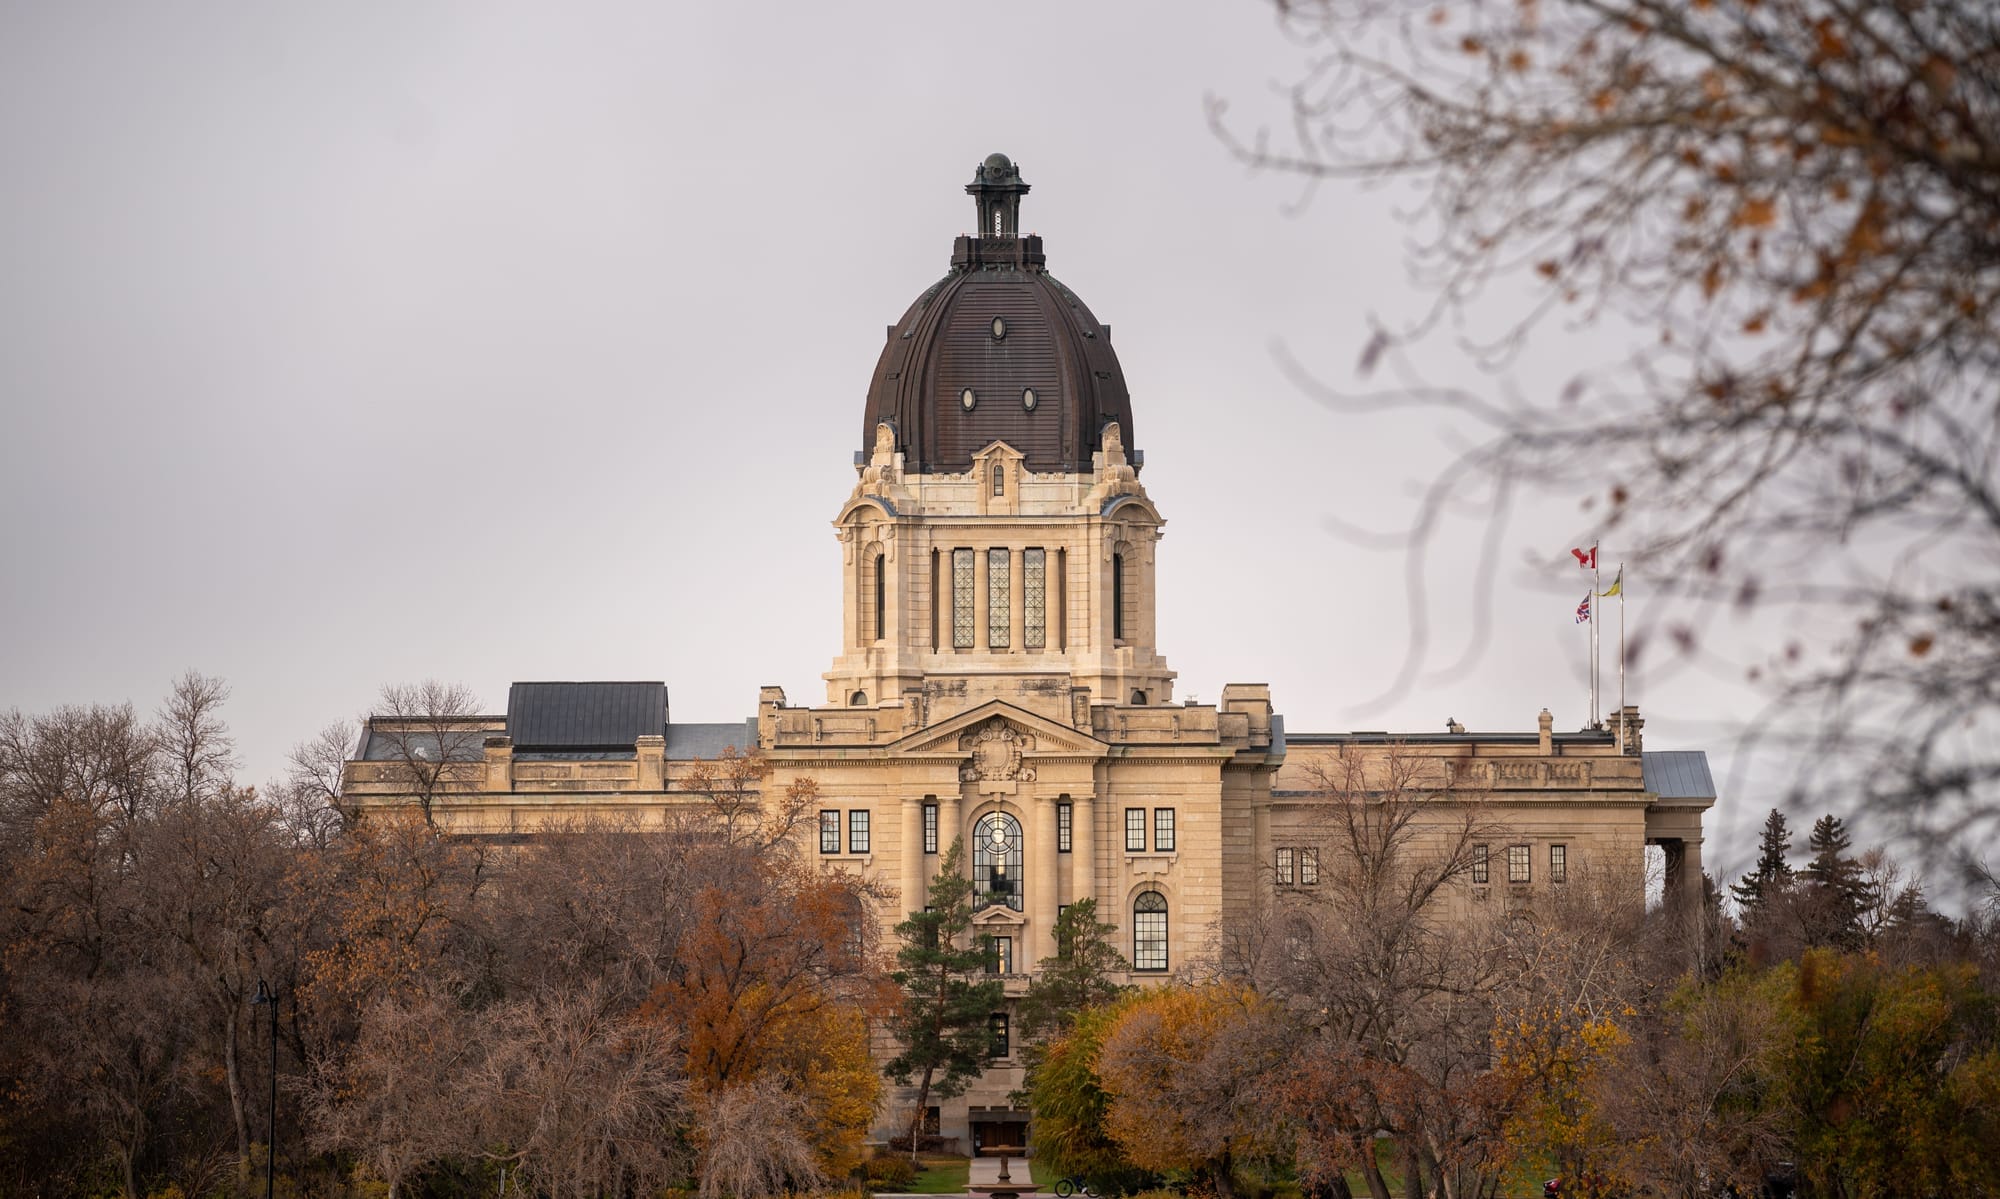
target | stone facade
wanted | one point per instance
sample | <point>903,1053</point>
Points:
<point>999,677</point>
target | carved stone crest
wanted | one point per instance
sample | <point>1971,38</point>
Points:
<point>996,754</point>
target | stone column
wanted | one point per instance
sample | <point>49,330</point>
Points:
<point>1042,908</point>
<point>948,827</point>
<point>913,856</point>
<point>1691,871</point>
<point>1083,851</point>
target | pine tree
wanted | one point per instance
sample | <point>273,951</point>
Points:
<point>1078,977</point>
<point>1836,886</point>
<point>1772,873</point>
<point>944,1020</point>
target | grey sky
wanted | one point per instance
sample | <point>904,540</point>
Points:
<point>362,343</point>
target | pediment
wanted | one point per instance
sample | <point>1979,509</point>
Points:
<point>998,915</point>
<point>997,721</point>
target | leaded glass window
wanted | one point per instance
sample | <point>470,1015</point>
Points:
<point>829,831</point>
<point>1163,829</point>
<point>999,600</point>
<point>996,862</point>
<point>962,583</point>
<point>1149,931</point>
<point>1135,830</point>
<point>1034,599</point>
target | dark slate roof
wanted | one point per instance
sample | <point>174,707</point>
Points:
<point>1677,773</point>
<point>685,741</point>
<point>584,716</point>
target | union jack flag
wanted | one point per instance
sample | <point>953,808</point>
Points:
<point>1583,609</point>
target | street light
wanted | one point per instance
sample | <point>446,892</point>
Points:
<point>266,996</point>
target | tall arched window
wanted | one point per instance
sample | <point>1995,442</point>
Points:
<point>996,862</point>
<point>1149,931</point>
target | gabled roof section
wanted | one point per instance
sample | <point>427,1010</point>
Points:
<point>1677,773</point>
<point>584,716</point>
<point>945,734</point>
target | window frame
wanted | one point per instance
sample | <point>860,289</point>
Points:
<point>999,598</point>
<point>1163,833</point>
<point>829,829</point>
<point>1143,939</point>
<point>858,831</point>
<point>964,599</point>
<point>1132,826</point>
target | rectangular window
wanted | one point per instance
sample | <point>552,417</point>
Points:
<point>1034,599</point>
<point>1309,867</point>
<point>997,1024</point>
<point>962,583</point>
<point>857,831</point>
<point>1520,865</point>
<point>829,831</point>
<point>1479,870</point>
<point>999,599</point>
<point>1163,829</point>
<point>1558,863</point>
<point>1285,875</point>
<point>1118,597</point>
<point>1064,815</point>
<point>930,828</point>
<point>1000,959</point>
<point>1135,830</point>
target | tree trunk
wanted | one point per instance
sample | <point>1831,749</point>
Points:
<point>232,1070</point>
<point>1378,1186</point>
<point>917,1118</point>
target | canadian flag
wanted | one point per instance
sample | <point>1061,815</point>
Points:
<point>1586,558</point>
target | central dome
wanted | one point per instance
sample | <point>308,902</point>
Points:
<point>997,350</point>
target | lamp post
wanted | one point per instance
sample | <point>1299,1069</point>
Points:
<point>268,997</point>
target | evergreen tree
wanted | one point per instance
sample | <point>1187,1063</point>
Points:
<point>1772,873</point>
<point>1836,887</point>
<point>1078,977</point>
<point>944,1019</point>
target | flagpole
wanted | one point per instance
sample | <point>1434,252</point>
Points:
<point>1621,658</point>
<point>1596,585</point>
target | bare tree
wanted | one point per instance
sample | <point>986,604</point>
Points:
<point>1795,206</point>
<point>431,738</point>
<point>194,743</point>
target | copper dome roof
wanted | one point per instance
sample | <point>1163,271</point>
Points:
<point>997,350</point>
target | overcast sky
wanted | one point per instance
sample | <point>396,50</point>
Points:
<point>354,344</point>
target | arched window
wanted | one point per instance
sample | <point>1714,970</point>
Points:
<point>1149,931</point>
<point>996,862</point>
